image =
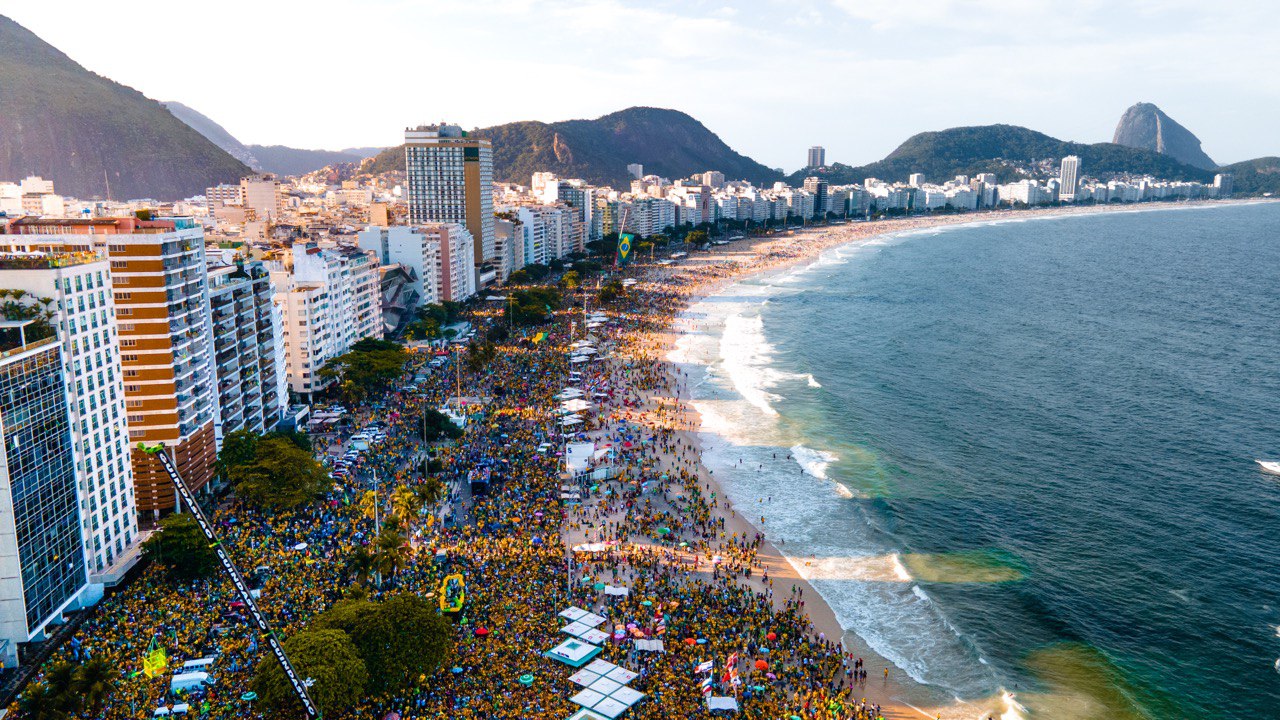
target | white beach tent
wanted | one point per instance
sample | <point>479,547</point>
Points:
<point>722,703</point>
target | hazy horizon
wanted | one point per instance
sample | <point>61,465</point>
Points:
<point>855,76</point>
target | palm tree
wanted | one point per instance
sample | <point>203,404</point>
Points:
<point>390,549</point>
<point>94,681</point>
<point>61,680</point>
<point>369,504</point>
<point>360,564</point>
<point>41,702</point>
<point>430,492</point>
<point>406,503</point>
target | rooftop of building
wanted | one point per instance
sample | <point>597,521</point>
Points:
<point>46,261</point>
<point>90,226</point>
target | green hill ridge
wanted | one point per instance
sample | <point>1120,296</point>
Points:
<point>999,149</point>
<point>83,131</point>
<point>667,142</point>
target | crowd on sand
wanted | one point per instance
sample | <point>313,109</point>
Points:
<point>654,527</point>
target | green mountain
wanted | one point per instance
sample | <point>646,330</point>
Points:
<point>1255,177</point>
<point>1001,149</point>
<point>85,132</point>
<point>667,142</point>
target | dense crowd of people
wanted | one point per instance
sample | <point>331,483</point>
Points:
<point>693,577</point>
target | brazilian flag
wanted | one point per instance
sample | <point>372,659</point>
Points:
<point>625,241</point>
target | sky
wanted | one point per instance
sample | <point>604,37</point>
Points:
<point>770,77</point>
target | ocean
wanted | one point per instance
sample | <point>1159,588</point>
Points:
<point>1018,456</point>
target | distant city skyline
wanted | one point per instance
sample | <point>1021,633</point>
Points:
<point>771,78</point>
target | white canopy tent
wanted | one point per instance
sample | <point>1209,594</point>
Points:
<point>722,703</point>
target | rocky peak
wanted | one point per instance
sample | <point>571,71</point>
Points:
<point>1147,127</point>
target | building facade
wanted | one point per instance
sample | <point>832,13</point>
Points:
<point>42,570</point>
<point>161,294</point>
<point>75,290</point>
<point>1069,178</point>
<point>415,248</point>
<point>328,300</point>
<point>450,180</point>
<point>247,347</point>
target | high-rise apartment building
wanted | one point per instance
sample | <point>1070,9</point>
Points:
<point>450,180</point>
<point>916,180</point>
<point>1225,183</point>
<point>817,157</point>
<point>453,260</point>
<point>248,352</point>
<point>159,280</point>
<point>1069,178</point>
<point>818,188</point>
<point>329,299</point>
<point>635,170</point>
<point>42,570</point>
<point>74,291</point>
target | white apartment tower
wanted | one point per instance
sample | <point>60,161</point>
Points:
<point>330,300</point>
<point>75,288</point>
<point>1069,178</point>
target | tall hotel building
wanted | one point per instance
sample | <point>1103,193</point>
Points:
<point>42,571</point>
<point>1069,178</point>
<point>162,308</point>
<point>450,179</point>
<point>74,289</point>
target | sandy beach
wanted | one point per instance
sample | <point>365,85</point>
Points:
<point>704,274</point>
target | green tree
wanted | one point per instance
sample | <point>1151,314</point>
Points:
<point>329,658</point>
<point>181,548</point>
<point>360,564</point>
<point>239,448</point>
<point>367,369</point>
<point>436,425</point>
<point>611,291</point>
<point>696,237</point>
<point>40,701</point>
<point>281,475</point>
<point>398,639</point>
<point>479,356</point>
<point>391,548</point>
<point>406,503</point>
<point>94,682</point>
<point>570,280</point>
<point>301,439</point>
<point>424,640</point>
<point>430,492</point>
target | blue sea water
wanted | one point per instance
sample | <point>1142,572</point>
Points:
<point>1020,455</point>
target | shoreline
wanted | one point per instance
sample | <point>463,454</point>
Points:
<point>900,695</point>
